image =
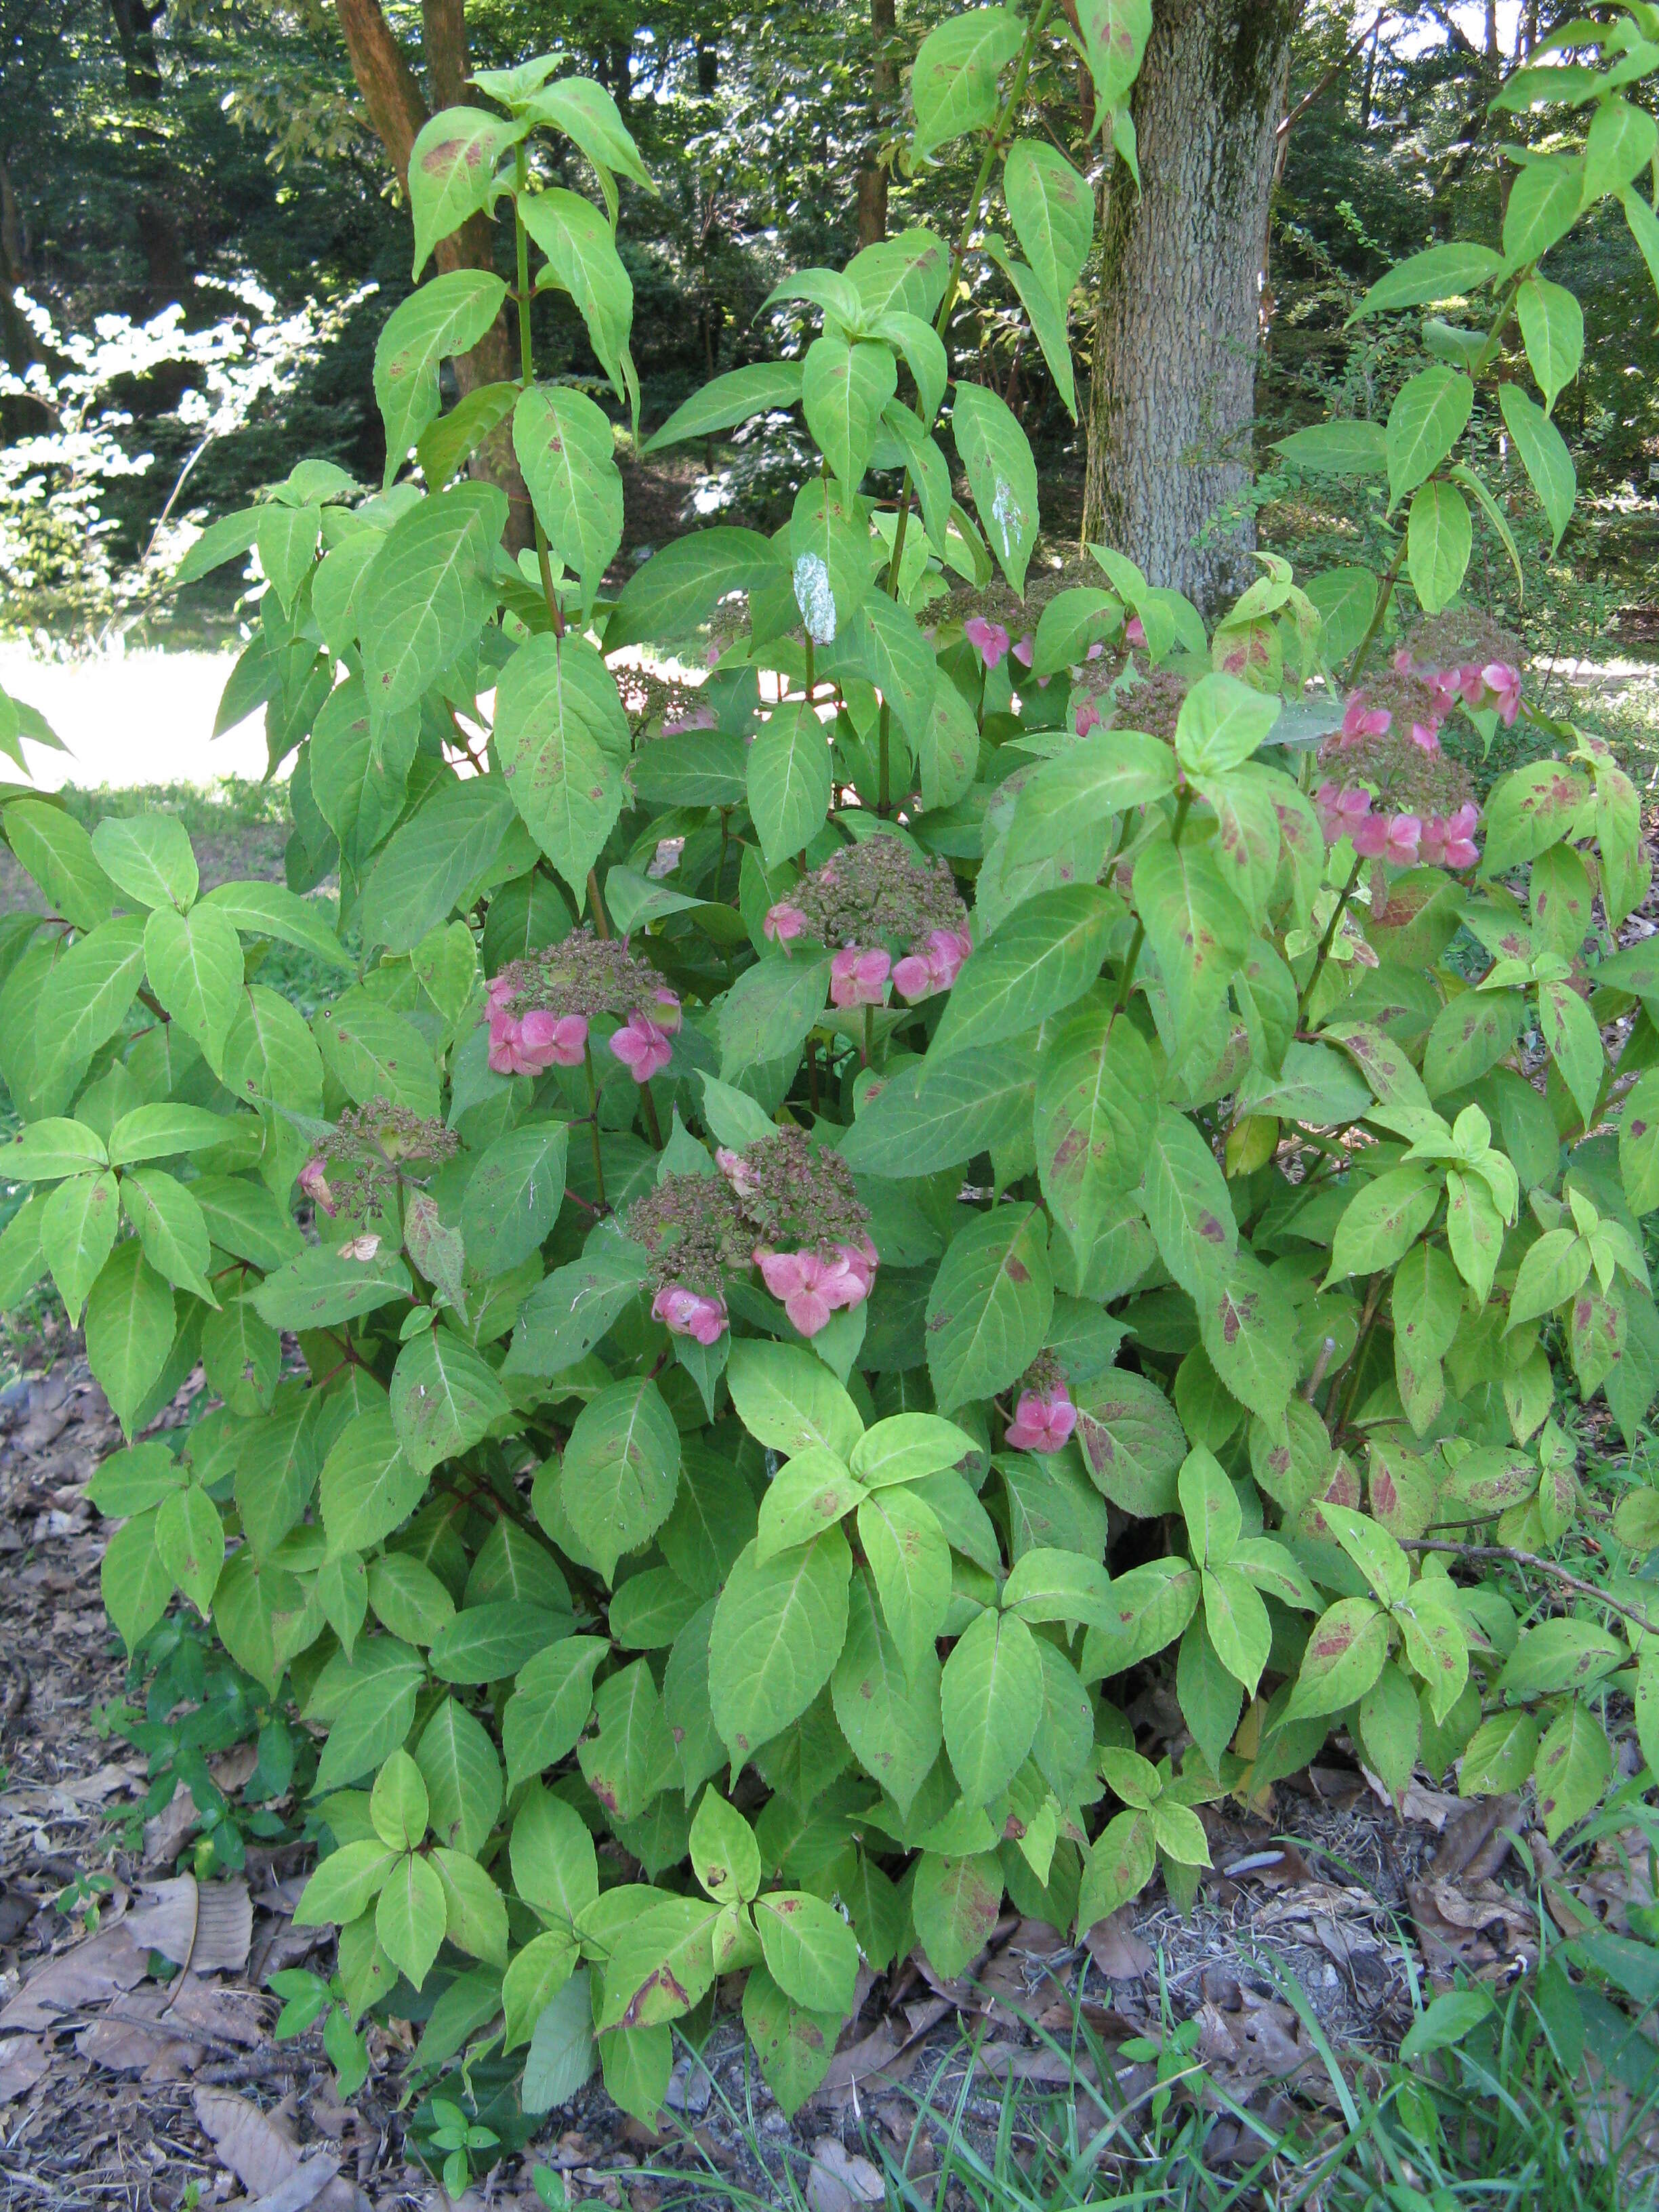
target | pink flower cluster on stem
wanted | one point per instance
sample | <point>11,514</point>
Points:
<point>690,1313</point>
<point>1043,1419</point>
<point>526,1045</point>
<point>1401,840</point>
<point>812,1288</point>
<point>1477,683</point>
<point>857,976</point>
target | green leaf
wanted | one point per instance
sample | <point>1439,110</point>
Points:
<point>805,1497</point>
<point>788,781</point>
<point>566,1315</point>
<point>221,541</point>
<point>398,1804</point>
<point>1621,144</point>
<point>45,1151</point>
<point>621,1468</point>
<point>442,449</point>
<point>452,168</point>
<point>446,317</point>
<point>561,2057</point>
<point>906,1448</point>
<point>954,1905</point>
<point>1382,1221</point>
<point>433,858</point>
<point>129,1329</point>
<point>515,1195</point>
<point>1038,960</point>
<point>583,259</point>
<point>1001,472</point>
<point>1439,538</point>
<point>883,643</point>
<point>844,387</point>
<point>1424,424</point>
<point>1188,1207</point>
<point>990,1305</point>
<point>921,1118</point>
<point>890,1714</point>
<point>1115,34</point>
<point>58,852</point>
<point>953,85</point>
<point>793,2046</point>
<point>135,1581</point>
<point>1445,2021</point>
<point>729,399</point>
<point>345,1884</point>
<point>1472,1032</point>
<point>320,1288</point>
<point>1553,329</point>
<point>1337,449</point>
<point>489,1642</point>
<point>662,1964</point>
<point>92,988</point>
<point>991,1695</point>
<point>810,1951</point>
<point>1221,723</point>
<point>1544,204</point>
<point>1644,229</point>
<point>560,736</point>
<point>171,1229</point>
<point>269,910</point>
<point>1131,1440</point>
<point>1344,1656</point>
<point>909,1562</point>
<point>677,588</point>
<point>1236,1620</point>
<point>369,1486</point>
<point>444,1396</point>
<point>411,1916</point>
<point>1196,926</point>
<point>1373,1551</point>
<point>778,1632</point>
<point>1046,318</point>
<point>427,593</point>
<point>1574,1043</point>
<point>550,1705</point>
<point>1573,1766</point>
<point>160,1132</point>
<point>463,1777</point>
<point>1439,272</point>
<point>566,451</point>
<point>1544,456</point>
<point>1053,208</point>
<point>148,857</point>
<point>77,1234</point>
<point>554,1869</point>
<point>769,1009</point>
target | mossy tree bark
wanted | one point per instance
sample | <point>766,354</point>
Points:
<point>1177,327</point>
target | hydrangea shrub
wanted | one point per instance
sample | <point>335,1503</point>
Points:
<point>902,1147</point>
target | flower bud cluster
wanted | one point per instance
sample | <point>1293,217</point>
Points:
<point>1392,789</point>
<point>539,1008</point>
<point>364,1152</point>
<point>863,899</point>
<point>1113,695</point>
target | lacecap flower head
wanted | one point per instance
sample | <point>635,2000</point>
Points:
<point>867,898</point>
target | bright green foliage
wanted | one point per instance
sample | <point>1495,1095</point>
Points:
<point>722,1355</point>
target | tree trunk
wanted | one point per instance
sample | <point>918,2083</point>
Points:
<point>884,82</point>
<point>1177,329</point>
<point>398,111</point>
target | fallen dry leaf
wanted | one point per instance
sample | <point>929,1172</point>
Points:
<point>104,1965</point>
<point>164,2033</point>
<point>208,1927</point>
<point>1117,1950</point>
<point>23,2062</point>
<point>265,2162</point>
<point>840,2179</point>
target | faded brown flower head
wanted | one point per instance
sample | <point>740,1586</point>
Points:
<point>873,891</point>
<point>650,700</point>
<point>580,975</point>
<point>1459,635</point>
<point>1403,776</point>
<point>693,1230</point>
<point>797,1196</point>
<point>1150,704</point>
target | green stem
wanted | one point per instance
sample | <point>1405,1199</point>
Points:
<point>527,365</point>
<point>1125,982</point>
<point>654,1127</point>
<point>869,1036</point>
<point>810,685</point>
<point>1328,939</point>
<point>601,921</point>
<point>593,1124</point>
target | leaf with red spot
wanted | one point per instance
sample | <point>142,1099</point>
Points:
<point>451,169</point>
<point>1345,1654</point>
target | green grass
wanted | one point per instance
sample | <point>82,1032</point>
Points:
<point>227,808</point>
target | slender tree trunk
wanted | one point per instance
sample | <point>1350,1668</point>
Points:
<point>398,111</point>
<point>1177,329</point>
<point>884,82</point>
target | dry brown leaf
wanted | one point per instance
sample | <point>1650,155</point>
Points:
<point>257,2151</point>
<point>102,1967</point>
<point>208,1927</point>
<point>840,2180</point>
<point>1470,1845</point>
<point>164,2033</point>
<point>23,2062</point>
<point>1117,1950</point>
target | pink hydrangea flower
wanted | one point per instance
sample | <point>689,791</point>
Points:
<point>1504,684</point>
<point>1362,721</point>
<point>536,1041</point>
<point>643,1047</point>
<point>1340,812</point>
<point>862,1260</point>
<point>812,1288</point>
<point>1042,1421</point>
<point>1390,837</point>
<point>1023,651</point>
<point>783,923</point>
<point>1462,851</point>
<point>689,1313</point>
<point>1427,736</point>
<point>1095,651</point>
<point>919,974</point>
<point>1134,631</point>
<point>859,977</point>
<point>313,1181</point>
<point>988,639</point>
<point>500,993</point>
<point>667,1014</point>
<point>1087,715</point>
